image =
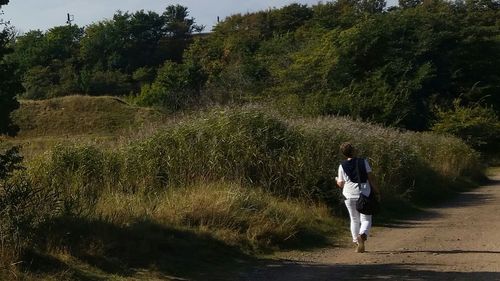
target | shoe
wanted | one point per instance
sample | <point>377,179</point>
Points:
<point>361,243</point>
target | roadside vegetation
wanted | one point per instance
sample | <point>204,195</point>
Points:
<point>137,149</point>
<point>245,178</point>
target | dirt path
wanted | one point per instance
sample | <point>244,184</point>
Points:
<point>457,241</point>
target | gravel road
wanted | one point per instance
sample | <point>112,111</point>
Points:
<point>459,240</point>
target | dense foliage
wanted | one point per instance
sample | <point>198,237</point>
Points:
<point>394,67</point>
<point>477,125</point>
<point>10,84</point>
<point>398,66</point>
<point>113,57</point>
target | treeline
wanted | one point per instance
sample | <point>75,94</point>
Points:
<point>424,65</point>
<point>111,57</point>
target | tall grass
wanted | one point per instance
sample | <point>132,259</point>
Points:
<point>245,176</point>
<point>290,158</point>
<point>250,218</point>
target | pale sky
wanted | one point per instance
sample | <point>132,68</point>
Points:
<point>26,15</point>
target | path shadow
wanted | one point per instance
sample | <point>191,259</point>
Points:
<point>492,181</point>
<point>398,215</point>
<point>437,252</point>
<point>467,199</point>
<point>409,217</point>
<point>286,270</point>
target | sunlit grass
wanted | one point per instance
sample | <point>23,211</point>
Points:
<point>493,171</point>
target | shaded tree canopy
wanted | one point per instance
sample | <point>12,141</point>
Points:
<point>9,83</point>
<point>400,67</point>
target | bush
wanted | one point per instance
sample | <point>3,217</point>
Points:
<point>57,79</point>
<point>245,178</point>
<point>99,83</point>
<point>477,125</point>
<point>38,81</point>
<point>173,88</point>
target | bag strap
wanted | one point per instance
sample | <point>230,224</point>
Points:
<point>358,174</point>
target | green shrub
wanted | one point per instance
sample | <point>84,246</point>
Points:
<point>173,88</point>
<point>99,83</point>
<point>38,81</point>
<point>477,125</point>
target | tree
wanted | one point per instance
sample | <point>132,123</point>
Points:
<point>405,4</point>
<point>371,6</point>
<point>36,48</point>
<point>177,23</point>
<point>103,45</point>
<point>145,29</point>
<point>341,13</point>
<point>48,61</point>
<point>289,18</point>
<point>175,86</point>
<point>62,42</point>
<point>30,51</point>
<point>10,84</point>
<point>133,40</point>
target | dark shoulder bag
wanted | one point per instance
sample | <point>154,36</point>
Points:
<point>367,205</point>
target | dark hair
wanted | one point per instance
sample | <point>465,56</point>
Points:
<point>347,149</point>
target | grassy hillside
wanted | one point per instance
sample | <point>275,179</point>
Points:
<point>136,199</point>
<point>80,119</point>
<point>80,115</point>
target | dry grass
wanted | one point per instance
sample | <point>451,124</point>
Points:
<point>493,171</point>
<point>80,115</point>
<point>239,216</point>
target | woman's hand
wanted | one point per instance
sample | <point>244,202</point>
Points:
<point>340,184</point>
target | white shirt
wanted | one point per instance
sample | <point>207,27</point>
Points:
<point>351,190</point>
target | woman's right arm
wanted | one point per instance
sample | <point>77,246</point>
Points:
<point>340,178</point>
<point>340,183</point>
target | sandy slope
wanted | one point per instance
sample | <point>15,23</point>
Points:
<point>457,241</point>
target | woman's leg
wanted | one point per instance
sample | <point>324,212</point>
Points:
<point>355,218</point>
<point>366,224</point>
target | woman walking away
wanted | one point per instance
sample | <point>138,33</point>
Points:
<point>355,177</point>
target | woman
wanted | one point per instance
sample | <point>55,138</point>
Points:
<point>352,185</point>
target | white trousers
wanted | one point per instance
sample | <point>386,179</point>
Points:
<point>360,224</point>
